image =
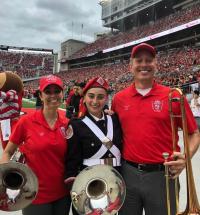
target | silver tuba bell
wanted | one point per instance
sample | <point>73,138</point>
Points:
<point>98,190</point>
<point>18,184</point>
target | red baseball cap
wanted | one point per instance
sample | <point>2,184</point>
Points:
<point>96,82</point>
<point>48,80</point>
<point>143,46</point>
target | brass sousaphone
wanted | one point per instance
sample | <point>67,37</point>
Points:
<point>98,190</point>
<point>18,184</point>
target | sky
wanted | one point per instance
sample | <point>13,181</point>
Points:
<point>47,23</point>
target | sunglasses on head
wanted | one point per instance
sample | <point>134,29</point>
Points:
<point>52,91</point>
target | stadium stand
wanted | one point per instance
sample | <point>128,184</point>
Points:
<point>173,20</point>
<point>25,64</point>
<point>176,67</point>
<point>178,53</point>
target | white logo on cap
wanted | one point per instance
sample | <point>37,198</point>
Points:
<point>51,78</point>
<point>100,81</point>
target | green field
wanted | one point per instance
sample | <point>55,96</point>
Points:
<point>26,103</point>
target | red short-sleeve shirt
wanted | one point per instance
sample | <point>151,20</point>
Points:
<point>44,149</point>
<point>146,125</point>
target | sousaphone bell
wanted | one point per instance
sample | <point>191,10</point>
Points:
<point>98,189</point>
<point>18,184</point>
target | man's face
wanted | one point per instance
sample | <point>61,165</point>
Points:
<point>76,90</point>
<point>143,66</point>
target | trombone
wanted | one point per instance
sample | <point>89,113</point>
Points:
<point>192,206</point>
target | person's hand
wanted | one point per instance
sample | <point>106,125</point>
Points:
<point>176,165</point>
<point>69,182</point>
<point>4,160</point>
<point>8,96</point>
<point>9,101</point>
<point>114,205</point>
<point>97,211</point>
<point>109,112</point>
<point>195,102</point>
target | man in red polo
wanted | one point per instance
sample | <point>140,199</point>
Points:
<point>143,112</point>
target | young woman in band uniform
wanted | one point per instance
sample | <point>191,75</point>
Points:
<point>94,138</point>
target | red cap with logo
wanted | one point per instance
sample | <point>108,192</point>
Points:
<point>96,82</point>
<point>141,47</point>
<point>48,80</point>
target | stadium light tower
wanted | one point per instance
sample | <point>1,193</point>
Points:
<point>102,2</point>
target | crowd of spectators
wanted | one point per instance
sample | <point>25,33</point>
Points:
<point>25,64</point>
<point>176,67</point>
<point>108,41</point>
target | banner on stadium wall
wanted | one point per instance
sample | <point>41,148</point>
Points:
<point>26,49</point>
<point>154,36</point>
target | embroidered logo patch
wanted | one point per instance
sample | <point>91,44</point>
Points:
<point>69,132</point>
<point>126,107</point>
<point>100,81</point>
<point>63,132</point>
<point>157,105</point>
<point>41,134</point>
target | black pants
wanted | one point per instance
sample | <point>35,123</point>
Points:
<point>145,190</point>
<point>58,207</point>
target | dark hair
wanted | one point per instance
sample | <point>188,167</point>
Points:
<point>196,92</point>
<point>82,84</point>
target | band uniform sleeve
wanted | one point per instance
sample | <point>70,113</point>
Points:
<point>118,132</point>
<point>73,158</point>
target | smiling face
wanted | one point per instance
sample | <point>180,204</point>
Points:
<point>143,67</point>
<point>95,100</point>
<point>52,96</point>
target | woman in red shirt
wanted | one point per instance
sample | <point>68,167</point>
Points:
<point>44,146</point>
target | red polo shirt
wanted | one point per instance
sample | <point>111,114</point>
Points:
<point>146,125</point>
<point>44,149</point>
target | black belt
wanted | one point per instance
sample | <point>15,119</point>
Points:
<point>147,167</point>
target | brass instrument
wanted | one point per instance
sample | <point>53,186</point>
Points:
<point>98,189</point>
<point>166,156</point>
<point>18,184</point>
<point>192,207</point>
